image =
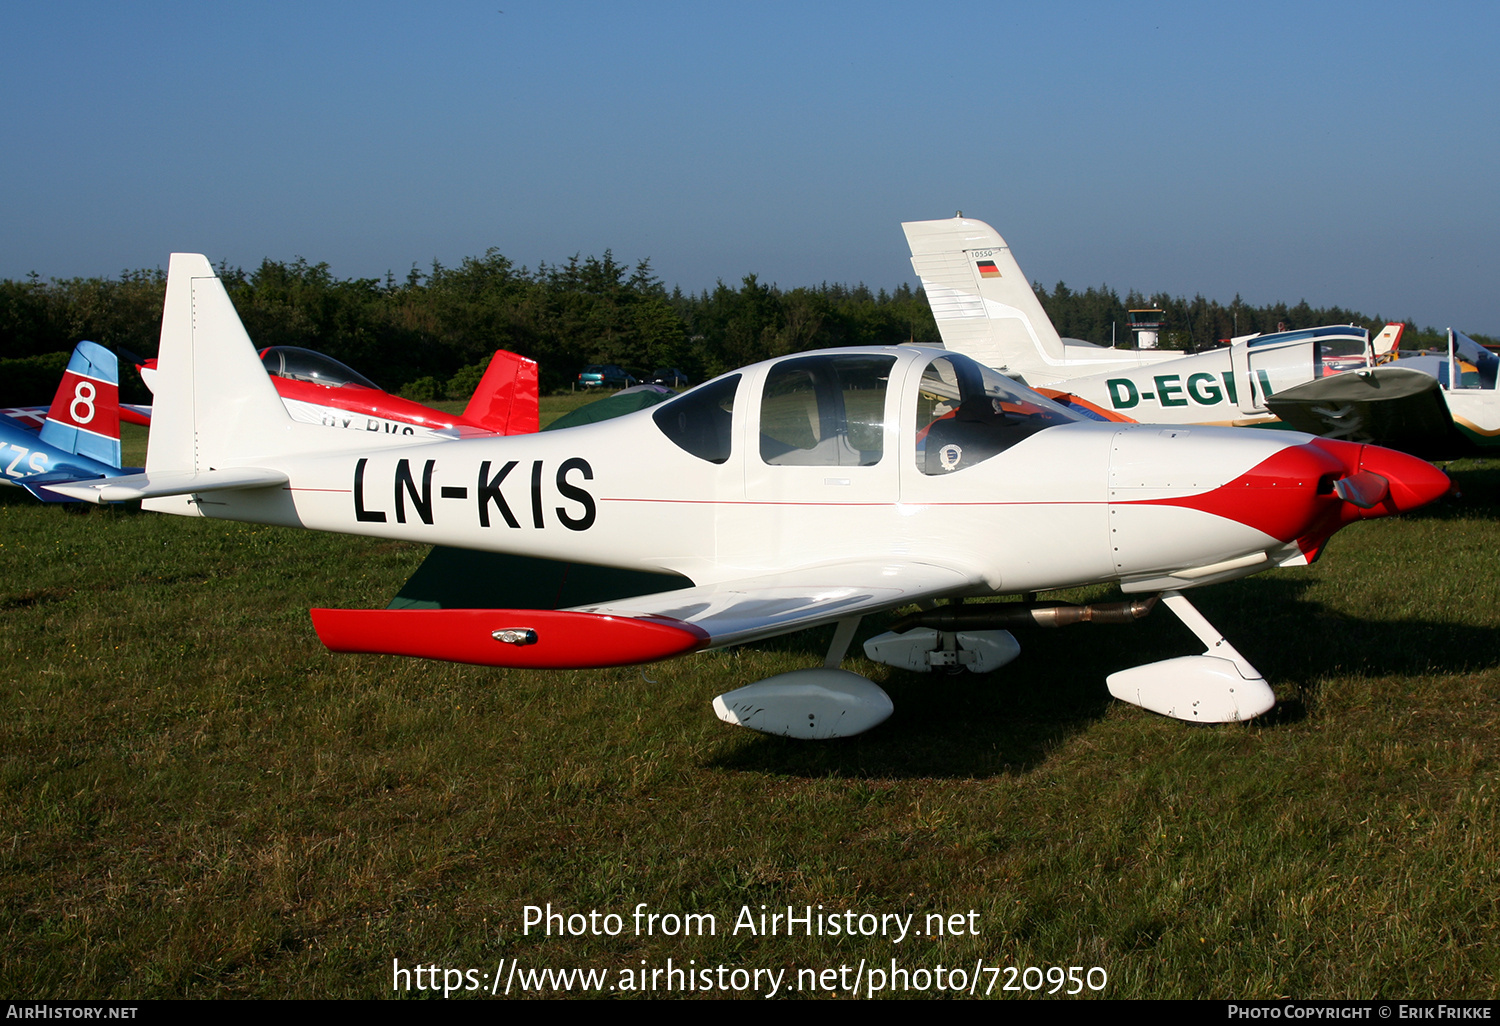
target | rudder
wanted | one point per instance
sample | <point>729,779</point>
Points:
<point>505,400</point>
<point>84,418</point>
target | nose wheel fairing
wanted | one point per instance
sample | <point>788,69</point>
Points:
<point>1219,686</point>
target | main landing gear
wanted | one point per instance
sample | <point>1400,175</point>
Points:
<point>1219,686</point>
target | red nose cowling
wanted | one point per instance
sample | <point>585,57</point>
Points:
<point>1305,493</point>
<point>1376,482</point>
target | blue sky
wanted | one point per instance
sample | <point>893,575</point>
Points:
<point>1342,153</point>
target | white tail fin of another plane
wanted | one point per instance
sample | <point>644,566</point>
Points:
<point>217,416</point>
<point>983,304</point>
<point>985,307</point>
<point>1388,341</point>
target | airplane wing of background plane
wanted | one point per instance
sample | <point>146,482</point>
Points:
<point>985,307</point>
<point>635,628</point>
<point>1390,405</point>
<point>1434,405</point>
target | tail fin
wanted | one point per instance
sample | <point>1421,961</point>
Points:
<point>983,304</point>
<point>85,415</point>
<point>985,308</point>
<point>215,405</point>
<point>506,400</point>
<point>1471,352</point>
<point>1388,341</point>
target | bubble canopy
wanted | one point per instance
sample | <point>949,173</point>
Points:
<point>298,364</point>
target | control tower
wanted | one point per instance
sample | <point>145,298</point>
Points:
<point>1147,325</point>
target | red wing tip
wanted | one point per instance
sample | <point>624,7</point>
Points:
<point>523,638</point>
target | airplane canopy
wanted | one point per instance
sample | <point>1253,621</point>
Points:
<point>300,364</point>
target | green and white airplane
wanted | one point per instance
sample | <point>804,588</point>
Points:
<point>1331,381</point>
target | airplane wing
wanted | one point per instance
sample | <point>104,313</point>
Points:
<point>30,417</point>
<point>33,417</point>
<point>1391,406</point>
<point>642,628</point>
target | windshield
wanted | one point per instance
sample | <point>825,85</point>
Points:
<point>967,413</point>
<point>305,365</point>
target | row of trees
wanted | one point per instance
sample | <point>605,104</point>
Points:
<point>429,332</point>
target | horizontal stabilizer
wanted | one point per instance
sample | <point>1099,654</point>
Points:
<point>523,638</point>
<point>157,484</point>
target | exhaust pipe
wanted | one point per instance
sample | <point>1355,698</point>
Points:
<point>1003,615</point>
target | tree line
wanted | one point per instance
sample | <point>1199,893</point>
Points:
<point>430,333</point>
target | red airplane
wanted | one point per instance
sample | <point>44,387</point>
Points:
<point>317,389</point>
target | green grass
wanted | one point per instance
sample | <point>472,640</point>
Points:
<point>196,799</point>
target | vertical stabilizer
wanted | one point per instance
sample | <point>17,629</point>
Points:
<point>1484,362</point>
<point>506,400</point>
<point>214,407</point>
<point>1388,341</point>
<point>984,306</point>
<point>85,415</point>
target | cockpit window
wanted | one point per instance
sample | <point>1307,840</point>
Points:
<point>825,411</point>
<point>305,365</point>
<point>967,413</point>
<point>699,421</point>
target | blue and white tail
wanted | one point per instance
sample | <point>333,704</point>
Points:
<point>84,418</point>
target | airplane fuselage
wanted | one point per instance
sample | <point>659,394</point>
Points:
<point>1228,386</point>
<point>1066,504</point>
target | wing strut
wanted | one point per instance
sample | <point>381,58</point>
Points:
<point>843,637</point>
<point>1207,633</point>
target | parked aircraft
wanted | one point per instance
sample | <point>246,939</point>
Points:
<point>317,389</point>
<point>985,308</point>
<point>1436,405</point>
<point>80,432</point>
<point>812,489</point>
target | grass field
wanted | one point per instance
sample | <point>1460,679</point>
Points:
<point>198,800</point>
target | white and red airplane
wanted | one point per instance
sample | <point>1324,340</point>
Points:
<point>317,389</point>
<point>812,489</point>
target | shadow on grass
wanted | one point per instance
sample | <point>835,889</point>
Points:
<point>1478,485</point>
<point>1007,722</point>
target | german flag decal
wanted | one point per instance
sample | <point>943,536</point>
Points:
<point>987,269</point>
